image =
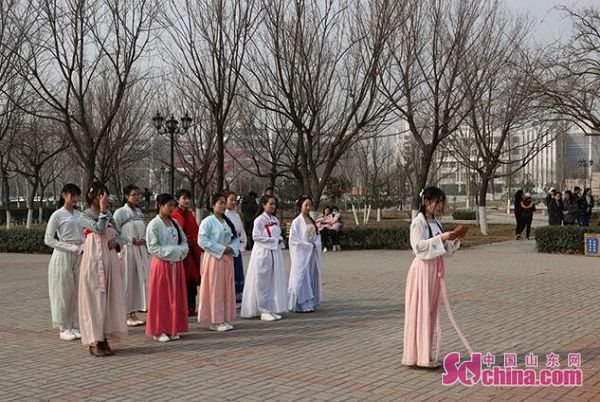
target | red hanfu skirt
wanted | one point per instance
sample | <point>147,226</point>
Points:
<point>167,299</point>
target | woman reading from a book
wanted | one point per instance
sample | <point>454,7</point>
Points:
<point>425,284</point>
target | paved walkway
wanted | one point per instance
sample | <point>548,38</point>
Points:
<point>506,297</point>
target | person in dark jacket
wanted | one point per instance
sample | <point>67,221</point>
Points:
<point>587,204</point>
<point>527,210</point>
<point>578,201</point>
<point>517,207</point>
<point>249,212</point>
<point>570,209</point>
<point>555,210</point>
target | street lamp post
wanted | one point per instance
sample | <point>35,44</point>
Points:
<point>172,127</point>
<point>585,164</point>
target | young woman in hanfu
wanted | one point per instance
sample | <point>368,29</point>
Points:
<point>130,222</point>
<point>305,252</point>
<point>265,288</point>
<point>63,269</point>
<point>218,239</point>
<point>167,295</point>
<point>101,298</point>
<point>425,284</point>
<point>191,264</point>
<point>238,265</point>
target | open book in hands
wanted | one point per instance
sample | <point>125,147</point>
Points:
<point>459,232</point>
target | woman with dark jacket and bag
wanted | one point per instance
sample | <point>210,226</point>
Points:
<point>527,209</point>
<point>569,209</point>
<point>517,208</point>
<point>587,204</point>
<point>555,210</point>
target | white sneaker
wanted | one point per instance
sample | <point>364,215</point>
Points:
<point>67,335</point>
<point>268,317</point>
<point>175,337</point>
<point>277,316</point>
<point>325,249</point>
<point>162,338</point>
<point>76,332</point>
<point>229,326</point>
<point>218,327</point>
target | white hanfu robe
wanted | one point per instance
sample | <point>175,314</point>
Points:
<point>136,258</point>
<point>305,273</point>
<point>63,269</point>
<point>265,289</point>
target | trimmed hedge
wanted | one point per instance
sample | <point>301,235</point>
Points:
<point>464,215</point>
<point>562,239</point>
<point>23,241</point>
<point>375,238</point>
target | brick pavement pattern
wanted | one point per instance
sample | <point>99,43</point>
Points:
<point>505,296</point>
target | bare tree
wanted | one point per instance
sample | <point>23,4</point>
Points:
<point>14,19</point>
<point>502,105</point>
<point>128,140</point>
<point>427,70</point>
<point>74,45</point>
<point>39,143</point>
<point>207,45</point>
<point>316,64</point>
<point>571,83</point>
<point>264,138</point>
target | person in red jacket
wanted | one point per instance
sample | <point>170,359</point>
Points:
<point>191,263</point>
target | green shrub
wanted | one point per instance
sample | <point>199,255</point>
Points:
<point>23,241</point>
<point>561,239</point>
<point>375,238</point>
<point>464,215</point>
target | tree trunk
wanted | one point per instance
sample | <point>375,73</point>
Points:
<point>30,201</point>
<point>483,224</point>
<point>421,179</point>
<point>220,159</point>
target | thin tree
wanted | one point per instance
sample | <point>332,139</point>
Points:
<point>316,64</point>
<point>74,45</point>
<point>207,43</point>
<point>426,71</point>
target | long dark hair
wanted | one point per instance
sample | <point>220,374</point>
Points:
<point>518,196</point>
<point>299,207</point>
<point>263,201</point>
<point>215,197</point>
<point>164,199</point>
<point>431,194</point>
<point>94,191</point>
<point>68,188</point>
<point>128,189</point>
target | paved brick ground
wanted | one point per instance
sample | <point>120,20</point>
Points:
<point>506,297</point>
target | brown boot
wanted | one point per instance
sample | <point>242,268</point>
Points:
<point>106,348</point>
<point>97,350</point>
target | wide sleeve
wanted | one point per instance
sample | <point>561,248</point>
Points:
<point>51,241</point>
<point>235,246</point>
<point>158,249</point>
<point>243,237</point>
<point>120,218</point>
<point>425,249</point>
<point>451,246</point>
<point>260,235</point>
<point>297,238</point>
<point>207,243</point>
<point>98,226</point>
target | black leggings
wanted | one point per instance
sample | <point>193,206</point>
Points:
<point>330,238</point>
<point>524,223</point>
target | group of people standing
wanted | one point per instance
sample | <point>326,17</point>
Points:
<point>106,268</point>
<point>570,207</point>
